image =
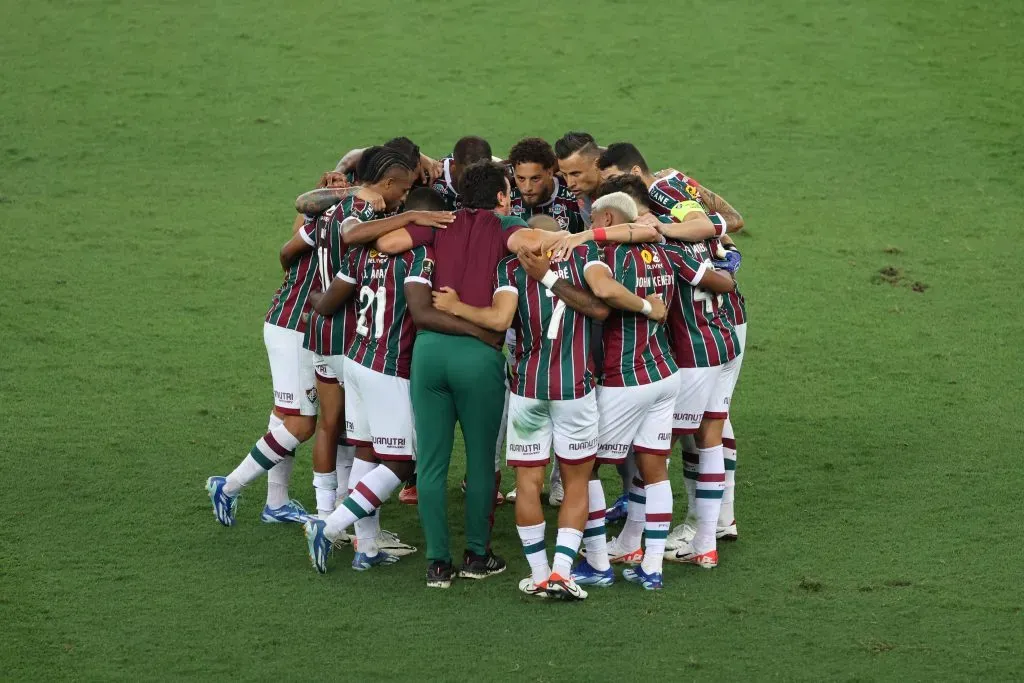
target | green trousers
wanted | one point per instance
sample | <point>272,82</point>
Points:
<point>456,378</point>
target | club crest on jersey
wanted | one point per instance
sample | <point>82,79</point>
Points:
<point>428,267</point>
<point>312,396</point>
<point>563,222</point>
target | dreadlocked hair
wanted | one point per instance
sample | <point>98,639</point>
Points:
<point>377,162</point>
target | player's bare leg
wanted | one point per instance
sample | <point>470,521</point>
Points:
<point>530,525</point>
<point>325,448</point>
<point>572,518</point>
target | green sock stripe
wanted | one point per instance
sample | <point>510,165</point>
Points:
<point>712,494</point>
<point>687,474</point>
<point>633,498</point>
<point>657,533</point>
<point>730,465</point>
<point>564,550</point>
<point>354,508</point>
<point>261,459</point>
<point>594,531</point>
<point>537,547</point>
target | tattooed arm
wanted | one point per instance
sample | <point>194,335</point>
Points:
<point>319,200</point>
<point>715,204</point>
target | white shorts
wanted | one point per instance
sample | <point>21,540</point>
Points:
<point>535,425</point>
<point>704,393</point>
<point>741,332</point>
<point>291,370</point>
<point>325,369</point>
<point>378,413</point>
<point>636,417</point>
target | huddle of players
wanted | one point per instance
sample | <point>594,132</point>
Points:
<point>655,267</point>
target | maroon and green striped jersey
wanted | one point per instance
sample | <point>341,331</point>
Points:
<point>699,331</point>
<point>734,305</point>
<point>445,186</point>
<point>290,306</point>
<point>551,360</point>
<point>636,349</point>
<point>675,189</point>
<point>331,335</point>
<point>384,330</point>
<point>562,206</point>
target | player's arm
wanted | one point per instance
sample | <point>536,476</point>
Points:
<point>608,289</point>
<point>328,303</point>
<point>529,239</point>
<point>300,220</point>
<point>716,281</point>
<point>690,223</point>
<point>355,231</point>
<point>715,204</point>
<point>319,200</point>
<point>498,316</point>
<point>300,243</point>
<point>626,233</point>
<point>538,267</point>
<point>426,317</point>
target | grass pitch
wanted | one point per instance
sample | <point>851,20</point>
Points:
<point>150,153</point>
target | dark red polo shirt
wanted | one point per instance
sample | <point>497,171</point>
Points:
<point>467,252</point>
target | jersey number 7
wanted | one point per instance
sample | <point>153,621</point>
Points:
<point>555,326</point>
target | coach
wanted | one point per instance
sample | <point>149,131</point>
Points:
<point>458,369</point>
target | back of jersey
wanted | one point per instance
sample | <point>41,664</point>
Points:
<point>636,349</point>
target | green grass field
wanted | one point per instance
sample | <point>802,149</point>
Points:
<point>150,153</point>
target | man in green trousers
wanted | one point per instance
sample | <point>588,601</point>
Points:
<point>457,367</point>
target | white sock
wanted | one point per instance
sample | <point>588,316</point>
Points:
<point>659,519</point>
<point>274,421</point>
<point>633,529</point>
<point>710,486</point>
<point>325,485</point>
<point>277,482</point>
<point>368,495</point>
<point>346,454</point>
<point>359,469</point>
<point>594,538</point>
<point>268,451</point>
<point>532,538</point>
<point>690,465</point>
<point>728,514</point>
<point>567,544</point>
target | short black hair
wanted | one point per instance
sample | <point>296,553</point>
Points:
<point>424,199</point>
<point>377,162</point>
<point>532,151</point>
<point>480,184</point>
<point>471,149</point>
<point>622,155</point>
<point>574,141</point>
<point>407,148</point>
<point>632,185</point>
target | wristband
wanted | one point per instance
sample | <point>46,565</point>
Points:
<point>646,310</point>
<point>600,235</point>
<point>718,220</point>
<point>549,279</point>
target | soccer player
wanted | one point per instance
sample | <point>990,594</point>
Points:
<point>378,405</point>
<point>468,150</point>
<point>293,417</point>
<point>455,377</point>
<point>577,154</point>
<point>538,189</point>
<point>637,389</point>
<point>682,199</point>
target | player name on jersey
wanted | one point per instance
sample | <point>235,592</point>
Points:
<point>384,330</point>
<point>636,349</point>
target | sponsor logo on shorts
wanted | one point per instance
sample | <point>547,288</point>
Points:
<point>389,441</point>
<point>662,436</point>
<point>687,417</point>
<point>614,448</point>
<point>285,396</point>
<point>525,448</point>
<point>312,396</point>
<point>350,426</point>
<point>583,445</point>
<point>321,369</point>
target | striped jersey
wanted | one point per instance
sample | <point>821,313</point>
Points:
<point>331,335</point>
<point>700,333</point>
<point>384,331</point>
<point>636,349</point>
<point>562,206</point>
<point>445,186</point>
<point>551,360</point>
<point>733,303</point>
<point>674,190</point>
<point>290,306</point>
